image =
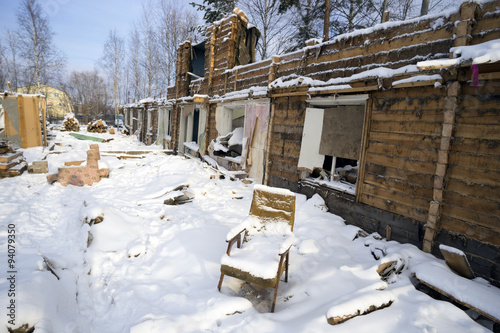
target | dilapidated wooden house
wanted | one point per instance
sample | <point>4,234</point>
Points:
<point>397,126</point>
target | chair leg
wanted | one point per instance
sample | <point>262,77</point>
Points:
<point>275,295</point>
<point>220,281</point>
<point>286,267</point>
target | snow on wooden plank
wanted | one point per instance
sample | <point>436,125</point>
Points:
<point>359,305</point>
<point>475,294</point>
<point>7,157</point>
<point>457,261</point>
<point>10,164</point>
<point>483,53</point>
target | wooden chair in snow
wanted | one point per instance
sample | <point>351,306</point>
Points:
<point>262,255</point>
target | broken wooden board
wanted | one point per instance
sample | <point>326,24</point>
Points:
<point>123,156</point>
<point>18,169</point>
<point>73,163</point>
<point>180,197</point>
<point>38,167</point>
<point>389,268</point>
<point>165,193</point>
<point>10,164</point>
<point>476,295</point>
<point>457,261</point>
<point>359,305</point>
<point>7,157</point>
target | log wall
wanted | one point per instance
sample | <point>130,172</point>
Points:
<point>430,157</point>
<point>401,150</point>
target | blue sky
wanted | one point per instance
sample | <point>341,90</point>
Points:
<point>81,26</point>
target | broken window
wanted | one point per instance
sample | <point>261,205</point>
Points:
<point>164,137</point>
<point>242,138</point>
<point>198,59</point>
<point>230,122</point>
<point>331,143</point>
<point>192,130</point>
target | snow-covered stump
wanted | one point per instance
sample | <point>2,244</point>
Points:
<point>359,305</point>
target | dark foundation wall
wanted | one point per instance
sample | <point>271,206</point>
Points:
<point>370,219</point>
<point>484,259</point>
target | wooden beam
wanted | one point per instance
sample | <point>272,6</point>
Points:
<point>417,84</point>
<point>345,91</point>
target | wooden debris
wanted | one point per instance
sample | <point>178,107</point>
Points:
<point>457,261</point>
<point>38,167</point>
<point>11,162</point>
<point>98,126</point>
<point>359,305</point>
<point>73,163</point>
<point>185,197</point>
<point>475,296</point>
<point>8,157</point>
<point>388,269</point>
<point>50,267</point>
<point>25,328</point>
<point>71,125</point>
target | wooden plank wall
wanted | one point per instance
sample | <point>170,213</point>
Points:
<point>284,148</point>
<point>472,191</point>
<point>486,27</point>
<point>401,151</point>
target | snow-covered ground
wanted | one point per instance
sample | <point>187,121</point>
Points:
<point>152,267</point>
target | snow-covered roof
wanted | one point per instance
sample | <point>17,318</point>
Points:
<point>483,53</point>
<point>245,93</point>
<point>342,82</point>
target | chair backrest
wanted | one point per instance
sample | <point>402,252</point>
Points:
<point>273,204</point>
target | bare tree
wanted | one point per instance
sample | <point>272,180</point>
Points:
<point>409,9</point>
<point>44,61</point>
<point>3,67</point>
<point>12,59</point>
<point>111,63</point>
<point>133,68</point>
<point>174,25</point>
<point>86,90</point>
<point>273,25</point>
<point>149,46</point>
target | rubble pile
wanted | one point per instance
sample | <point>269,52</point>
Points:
<point>12,162</point>
<point>70,123</point>
<point>98,126</point>
<point>229,145</point>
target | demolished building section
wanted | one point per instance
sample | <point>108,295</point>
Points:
<point>396,126</point>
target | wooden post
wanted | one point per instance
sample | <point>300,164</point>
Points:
<point>462,31</point>
<point>273,68</point>
<point>385,17</point>
<point>44,121</point>
<point>22,121</point>
<point>212,58</point>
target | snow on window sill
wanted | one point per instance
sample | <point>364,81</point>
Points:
<point>192,146</point>
<point>341,186</point>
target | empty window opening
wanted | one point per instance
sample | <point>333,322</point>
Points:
<point>331,145</point>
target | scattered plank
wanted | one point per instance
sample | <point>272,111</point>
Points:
<point>38,167</point>
<point>457,261</point>
<point>359,305</point>
<point>9,156</point>
<point>473,294</point>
